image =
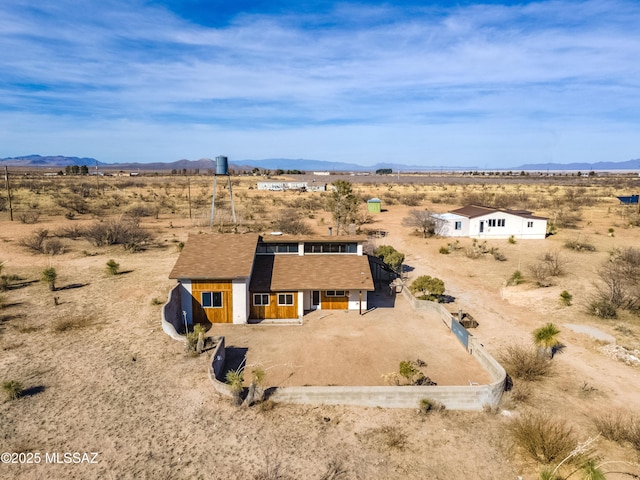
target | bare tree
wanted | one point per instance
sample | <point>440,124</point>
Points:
<point>424,221</point>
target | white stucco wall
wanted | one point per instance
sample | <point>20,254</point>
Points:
<point>354,300</point>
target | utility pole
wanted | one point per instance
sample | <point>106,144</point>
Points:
<point>189,195</point>
<point>6,181</point>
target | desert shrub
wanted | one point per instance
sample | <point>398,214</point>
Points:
<point>156,301</point>
<point>123,232</point>
<point>619,279</point>
<point>579,245</point>
<point>512,240</point>
<point>555,262</point>
<point>73,202</point>
<point>566,297</point>
<point>544,438</point>
<point>525,363</point>
<point>12,389</point>
<point>389,436</point>
<point>68,324</point>
<point>53,246</point>
<point>291,222</point>
<point>411,199</point>
<point>410,371</point>
<point>30,217</point>
<point>35,241</point>
<point>498,255</point>
<point>540,272</point>
<point>335,470</point>
<point>427,405</point>
<point>619,427</point>
<point>602,308</point>
<point>515,278</point>
<point>444,250</point>
<point>568,218</point>
<point>112,267</point>
<point>73,232</point>
<point>139,211</point>
<point>520,392</point>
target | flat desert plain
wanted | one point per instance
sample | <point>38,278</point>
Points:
<point>99,375</point>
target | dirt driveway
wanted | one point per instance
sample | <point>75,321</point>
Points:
<point>336,347</point>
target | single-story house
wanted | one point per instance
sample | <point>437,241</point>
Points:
<point>484,222</point>
<point>238,278</point>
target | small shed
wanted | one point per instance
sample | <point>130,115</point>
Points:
<point>374,205</point>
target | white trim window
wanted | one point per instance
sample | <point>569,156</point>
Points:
<point>335,293</point>
<point>458,225</point>
<point>285,299</point>
<point>211,299</point>
<point>261,299</point>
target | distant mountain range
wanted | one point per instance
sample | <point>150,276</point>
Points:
<point>205,164</point>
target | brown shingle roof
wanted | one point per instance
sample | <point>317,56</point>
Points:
<point>311,272</point>
<point>216,257</point>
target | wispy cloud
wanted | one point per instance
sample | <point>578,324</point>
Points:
<point>354,82</point>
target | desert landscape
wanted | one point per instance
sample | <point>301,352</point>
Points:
<point>97,373</point>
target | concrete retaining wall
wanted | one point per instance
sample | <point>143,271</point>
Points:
<point>172,314</point>
<point>216,369</point>
<point>463,397</point>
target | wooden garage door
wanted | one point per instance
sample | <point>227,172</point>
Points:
<point>332,300</point>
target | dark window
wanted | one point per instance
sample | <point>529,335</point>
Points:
<point>285,299</point>
<point>458,226</point>
<point>335,293</point>
<point>277,248</point>
<point>261,299</point>
<point>529,224</point>
<point>212,299</point>
<point>330,248</point>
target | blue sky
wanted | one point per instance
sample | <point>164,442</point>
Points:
<point>492,84</point>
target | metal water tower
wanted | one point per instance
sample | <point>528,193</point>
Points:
<point>222,168</point>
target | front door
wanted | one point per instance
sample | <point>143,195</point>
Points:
<point>481,227</point>
<point>315,299</point>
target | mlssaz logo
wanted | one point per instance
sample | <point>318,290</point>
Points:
<point>71,457</point>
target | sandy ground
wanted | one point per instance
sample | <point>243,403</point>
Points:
<point>115,384</point>
<point>334,347</point>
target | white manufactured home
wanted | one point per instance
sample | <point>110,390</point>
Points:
<point>484,222</point>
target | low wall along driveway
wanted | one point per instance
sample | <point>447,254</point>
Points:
<point>471,397</point>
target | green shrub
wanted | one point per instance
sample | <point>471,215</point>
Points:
<point>566,298</point>
<point>12,389</point>
<point>50,275</point>
<point>515,278</point>
<point>512,240</point>
<point>427,285</point>
<point>112,267</point>
<point>444,250</point>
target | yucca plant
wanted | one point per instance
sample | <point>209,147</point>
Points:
<point>545,338</point>
<point>112,267</point>
<point>50,275</point>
